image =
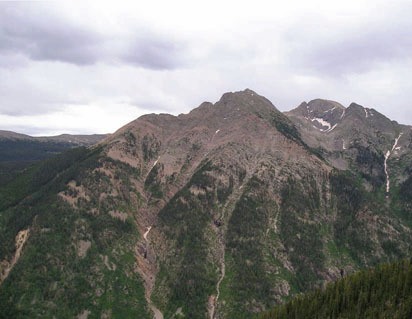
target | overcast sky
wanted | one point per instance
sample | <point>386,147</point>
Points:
<point>91,67</point>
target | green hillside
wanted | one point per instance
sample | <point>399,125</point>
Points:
<point>381,292</point>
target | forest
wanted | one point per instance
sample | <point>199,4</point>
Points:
<point>376,293</point>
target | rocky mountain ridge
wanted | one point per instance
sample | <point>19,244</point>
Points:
<point>352,133</point>
<point>219,213</point>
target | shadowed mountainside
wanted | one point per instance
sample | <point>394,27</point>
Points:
<point>18,151</point>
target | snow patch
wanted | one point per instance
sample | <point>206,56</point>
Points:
<point>217,131</point>
<point>322,122</point>
<point>396,142</point>
<point>330,110</point>
<point>332,128</point>
<point>154,164</point>
<point>343,114</point>
<point>147,233</point>
<point>366,112</point>
<point>385,163</point>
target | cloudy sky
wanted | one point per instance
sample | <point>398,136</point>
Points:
<point>91,67</point>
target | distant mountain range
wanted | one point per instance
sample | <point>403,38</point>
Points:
<point>223,212</point>
<point>78,140</point>
<point>17,151</point>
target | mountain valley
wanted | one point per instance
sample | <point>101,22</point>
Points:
<point>18,151</point>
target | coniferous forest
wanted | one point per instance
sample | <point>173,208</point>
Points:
<point>381,292</point>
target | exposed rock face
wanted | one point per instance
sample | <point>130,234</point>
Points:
<point>324,114</point>
<point>219,213</point>
<point>355,138</point>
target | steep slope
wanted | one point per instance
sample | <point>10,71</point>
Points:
<point>381,292</point>
<point>198,164</point>
<point>356,138</point>
<point>220,213</point>
<point>78,258</point>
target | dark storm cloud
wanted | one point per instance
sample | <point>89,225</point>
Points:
<point>33,32</point>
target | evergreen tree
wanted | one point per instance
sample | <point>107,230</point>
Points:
<point>376,293</point>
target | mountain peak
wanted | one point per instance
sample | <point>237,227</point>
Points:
<point>233,118</point>
<point>370,116</point>
<point>246,102</point>
<point>244,93</point>
<point>318,106</point>
<point>325,105</point>
<point>324,114</point>
<point>233,105</point>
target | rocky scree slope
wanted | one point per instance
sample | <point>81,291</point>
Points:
<point>220,213</point>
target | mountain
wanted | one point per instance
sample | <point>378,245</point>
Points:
<point>17,151</point>
<point>356,138</point>
<point>78,140</point>
<point>223,212</point>
<point>381,292</point>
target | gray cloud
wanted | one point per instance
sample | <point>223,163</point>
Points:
<point>85,69</point>
<point>360,54</point>
<point>12,60</point>
<point>31,31</point>
<point>349,50</point>
<point>155,53</point>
